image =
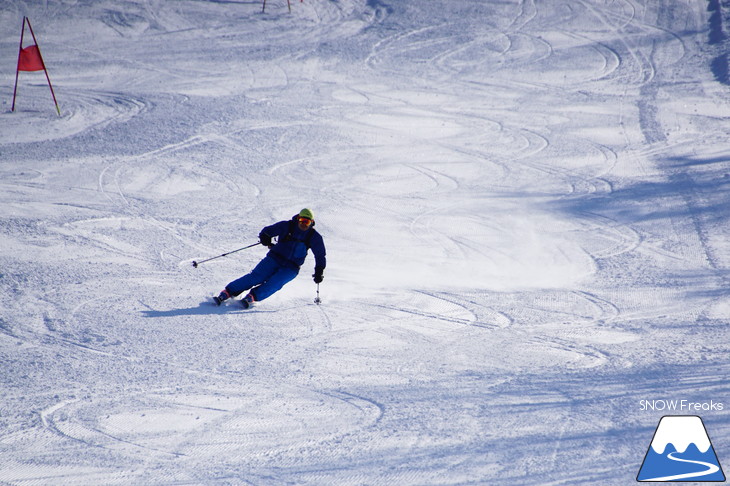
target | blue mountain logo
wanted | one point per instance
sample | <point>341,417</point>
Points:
<point>681,451</point>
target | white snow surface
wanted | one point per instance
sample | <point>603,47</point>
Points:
<point>525,206</point>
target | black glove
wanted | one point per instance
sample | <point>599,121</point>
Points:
<point>265,240</point>
<point>318,274</point>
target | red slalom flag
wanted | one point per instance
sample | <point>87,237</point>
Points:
<point>30,59</point>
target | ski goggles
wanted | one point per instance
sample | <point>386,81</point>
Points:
<point>305,221</point>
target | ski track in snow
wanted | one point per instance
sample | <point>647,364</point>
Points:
<point>524,205</point>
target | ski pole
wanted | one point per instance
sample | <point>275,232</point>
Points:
<point>195,264</point>
<point>317,300</point>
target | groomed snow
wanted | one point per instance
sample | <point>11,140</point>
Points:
<point>525,206</point>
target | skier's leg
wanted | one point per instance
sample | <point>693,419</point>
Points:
<point>261,272</point>
<point>274,283</point>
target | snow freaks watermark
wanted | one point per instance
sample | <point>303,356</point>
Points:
<point>680,450</point>
<point>680,406</point>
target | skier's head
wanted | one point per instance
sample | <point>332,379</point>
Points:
<point>305,218</point>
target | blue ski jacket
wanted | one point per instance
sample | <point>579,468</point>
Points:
<point>292,244</point>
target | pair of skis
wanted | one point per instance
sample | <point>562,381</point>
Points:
<point>247,305</point>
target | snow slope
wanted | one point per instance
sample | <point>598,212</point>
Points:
<point>525,206</point>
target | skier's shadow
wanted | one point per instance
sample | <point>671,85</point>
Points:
<point>204,308</point>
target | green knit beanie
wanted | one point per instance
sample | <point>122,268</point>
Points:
<point>306,213</point>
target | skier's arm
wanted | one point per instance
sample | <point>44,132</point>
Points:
<point>276,229</point>
<point>320,257</point>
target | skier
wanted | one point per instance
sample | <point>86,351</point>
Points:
<point>281,264</point>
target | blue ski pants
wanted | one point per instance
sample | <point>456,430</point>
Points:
<point>266,278</point>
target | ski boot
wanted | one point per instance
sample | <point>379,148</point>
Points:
<point>247,302</point>
<point>224,295</point>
